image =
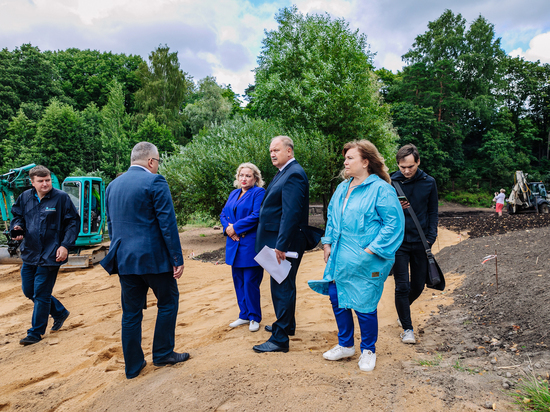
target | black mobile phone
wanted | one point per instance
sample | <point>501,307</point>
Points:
<point>16,232</point>
<point>402,198</point>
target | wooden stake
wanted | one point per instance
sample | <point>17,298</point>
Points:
<point>496,268</point>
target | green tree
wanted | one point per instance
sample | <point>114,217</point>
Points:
<point>16,149</point>
<point>164,88</point>
<point>92,150</point>
<point>457,73</point>
<point>210,107</point>
<point>26,76</point>
<point>114,131</point>
<point>59,139</point>
<point>315,73</point>
<point>201,176</point>
<point>158,134</point>
<point>85,75</point>
<point>418,125</point>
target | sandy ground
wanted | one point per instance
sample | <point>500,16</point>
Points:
<point>81,366</point>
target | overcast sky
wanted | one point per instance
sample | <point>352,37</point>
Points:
<point>223,37</point>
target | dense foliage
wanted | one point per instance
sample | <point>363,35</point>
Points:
<point>475,113</point>
<point>202,175</point>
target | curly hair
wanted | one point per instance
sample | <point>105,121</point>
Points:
<point>255,171</point>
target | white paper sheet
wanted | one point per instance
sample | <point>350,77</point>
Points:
<point>268,260</point>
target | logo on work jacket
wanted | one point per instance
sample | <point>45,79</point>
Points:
<point>50,209</point>
<point>375,274</point>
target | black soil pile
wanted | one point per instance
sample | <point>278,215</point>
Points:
<point>480,224</point>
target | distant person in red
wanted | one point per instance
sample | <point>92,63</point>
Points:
<point>499,198</point>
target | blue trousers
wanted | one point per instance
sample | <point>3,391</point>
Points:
<point>247,283</point>
<point>134,298</point>
<point>37,283</point>
<point>368,323</point>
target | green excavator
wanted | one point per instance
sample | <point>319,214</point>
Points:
<point>88,196</point>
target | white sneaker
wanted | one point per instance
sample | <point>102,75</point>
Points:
<point>367,361</point>
<point>408,336</point>
<point>254,326</point>
<point>339,352</point>
<point>239,322</point>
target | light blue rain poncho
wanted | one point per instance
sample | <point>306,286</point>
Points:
<point>373,218</point>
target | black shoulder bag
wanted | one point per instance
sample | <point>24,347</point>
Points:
<point>435,278</point>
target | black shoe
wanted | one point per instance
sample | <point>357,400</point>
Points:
<point>139,371</point>
<point>58,323</point>
<point>173,359</point>
<point>269,347</point>
<point>28,340</point>
<point>269,329</point>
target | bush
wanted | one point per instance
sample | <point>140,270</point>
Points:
<point>201,176</point>
<point>480,199</point>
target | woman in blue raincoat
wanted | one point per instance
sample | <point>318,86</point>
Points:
<point>365,226</point>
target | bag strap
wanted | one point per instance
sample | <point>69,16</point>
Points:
<point>400,192</point>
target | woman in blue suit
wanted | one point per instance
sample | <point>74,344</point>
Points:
<point>239,218</point>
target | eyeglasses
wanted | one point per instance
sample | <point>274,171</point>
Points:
<point>158,160</point>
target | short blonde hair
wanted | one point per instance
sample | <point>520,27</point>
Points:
<point>502,191</point>
<point>255,171</point>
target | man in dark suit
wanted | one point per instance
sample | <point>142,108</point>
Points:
<point>146,253</point>
<point>283,226</point>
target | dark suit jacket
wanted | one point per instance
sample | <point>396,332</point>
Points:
<point>285,210</point>
<point>142,225</point>
<point>243,213</point>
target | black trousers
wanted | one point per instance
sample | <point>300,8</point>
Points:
<point>284,302</point>
<point>409,287</point>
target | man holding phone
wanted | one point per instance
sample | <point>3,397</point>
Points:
<point>47,222</point>
<point>420,192</point>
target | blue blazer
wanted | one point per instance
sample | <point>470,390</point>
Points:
<point>285,210</point>
<point>243,213</point>
<point>142,225</point>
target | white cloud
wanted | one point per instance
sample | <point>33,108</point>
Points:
<point>392,61</point>
<point>337,8</point>
<point>539,49</point>
<point>238,81</point>
<point>223,37</point>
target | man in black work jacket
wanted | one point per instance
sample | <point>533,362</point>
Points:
<point>50,225</point>
<point>421,192</point>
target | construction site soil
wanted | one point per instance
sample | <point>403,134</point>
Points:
<point>476,341</point>
<point>496,332</point>
<point>498,326</point>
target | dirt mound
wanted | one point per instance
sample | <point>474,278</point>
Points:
<point>495,337</point>
<point>518,314</point>
<point>481,224</point>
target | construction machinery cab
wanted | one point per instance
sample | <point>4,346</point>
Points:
<point>528,196</point>
<point>88,196</point>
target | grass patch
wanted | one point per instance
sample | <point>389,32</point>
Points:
<point>479,199</point>
<point>532,394</point>
<point>431,362</point>
<point>201,219</point>
<point>461,368</point>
